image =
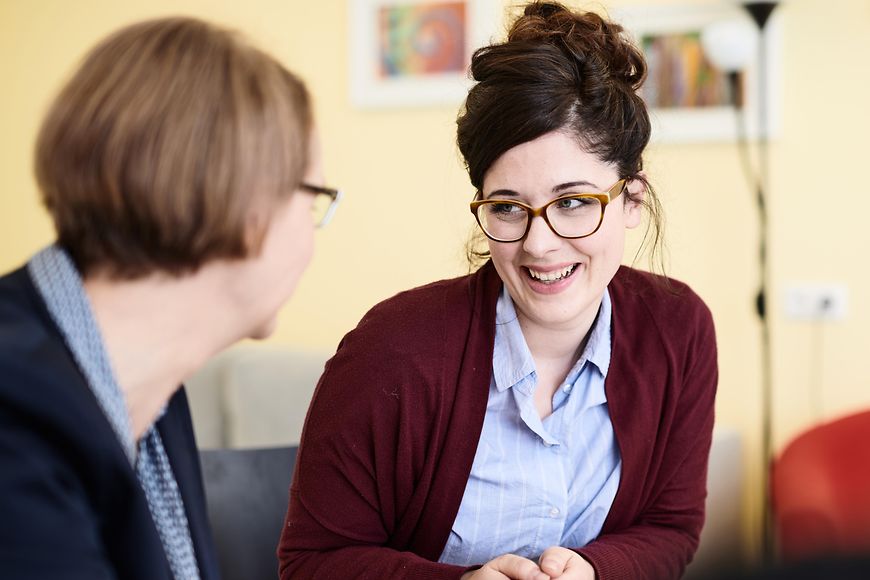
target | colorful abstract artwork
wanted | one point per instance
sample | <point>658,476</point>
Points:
<point>422,39</point>
<point>416,53</point>
<point>690,100</point>
<point>679,75</point>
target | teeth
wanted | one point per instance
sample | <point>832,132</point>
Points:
<point>552,276</point>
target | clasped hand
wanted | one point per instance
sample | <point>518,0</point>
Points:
<point>555,563</point>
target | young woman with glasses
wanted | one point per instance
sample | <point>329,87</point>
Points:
<point>180,168</point>
<point>550,415</point>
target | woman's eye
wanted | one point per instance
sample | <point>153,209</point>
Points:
<point>572,203</point>
<point>505,208</point>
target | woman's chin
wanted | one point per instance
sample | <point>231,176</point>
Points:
<point>264,330</point>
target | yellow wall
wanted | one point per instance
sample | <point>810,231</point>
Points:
<point>381,159</point>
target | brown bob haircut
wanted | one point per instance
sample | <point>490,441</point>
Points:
<point>169,147</point>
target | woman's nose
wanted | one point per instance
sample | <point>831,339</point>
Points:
<point>540,239</point>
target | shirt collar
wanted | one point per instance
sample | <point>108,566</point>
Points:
<point>597,354</point>
<point>511,360</point>
<point>598,346</point>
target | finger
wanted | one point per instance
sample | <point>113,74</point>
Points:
<point>554,561</point>
<point>517,568</point>
<point>572,565</point>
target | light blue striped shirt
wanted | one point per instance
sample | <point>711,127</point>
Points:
<point>536,484</point>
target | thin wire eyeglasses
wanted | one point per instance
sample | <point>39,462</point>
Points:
<point>572,216</point>
<point>323,210</point>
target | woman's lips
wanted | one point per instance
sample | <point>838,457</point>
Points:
<point>550,280</point>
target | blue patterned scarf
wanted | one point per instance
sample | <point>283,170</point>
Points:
<point>60,285</point>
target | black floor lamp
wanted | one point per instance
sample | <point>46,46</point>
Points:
<point>726,53</point>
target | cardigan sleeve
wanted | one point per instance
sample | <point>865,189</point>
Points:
<point>663,536</point>
<point>310,549</point>
<point>362,481</point>
<point>347,486</point>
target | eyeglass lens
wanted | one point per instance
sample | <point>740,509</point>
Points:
<point>320,208</point>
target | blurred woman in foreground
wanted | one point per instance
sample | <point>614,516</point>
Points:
<point>180,171</point>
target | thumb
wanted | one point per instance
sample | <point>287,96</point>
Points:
<point>554,561</point>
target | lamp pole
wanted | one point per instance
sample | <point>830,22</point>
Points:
<point>760,13</point>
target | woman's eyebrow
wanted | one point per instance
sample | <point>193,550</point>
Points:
<point>572,184</point>
<point>503,193</point>
<point>556,189</point>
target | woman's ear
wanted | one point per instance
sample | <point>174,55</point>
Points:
<point>314,171</point>
<point>635,192</point>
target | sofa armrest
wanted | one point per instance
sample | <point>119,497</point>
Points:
<point>254,396</point>
<point>721,546</point>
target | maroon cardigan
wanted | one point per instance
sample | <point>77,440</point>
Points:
<point>394,424</point>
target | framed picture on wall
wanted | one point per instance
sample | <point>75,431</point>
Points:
<point>689,99</point>
<point>412,53</point>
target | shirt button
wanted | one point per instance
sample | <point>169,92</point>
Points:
<point>567,388</point>
<point>554,512</point>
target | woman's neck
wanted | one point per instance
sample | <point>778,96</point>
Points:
<point>554,349</point>
<point>557,342</point>
<point>157,331</point>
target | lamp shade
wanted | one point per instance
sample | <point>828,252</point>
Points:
<point>729,44</point>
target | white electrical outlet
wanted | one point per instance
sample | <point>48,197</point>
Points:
<point>816,301</point>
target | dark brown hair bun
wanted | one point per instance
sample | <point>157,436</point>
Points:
<point>586,37</point>
<point>557,70</point>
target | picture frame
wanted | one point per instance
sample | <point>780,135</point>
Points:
<point>415,53</point>
<point>700,122</point>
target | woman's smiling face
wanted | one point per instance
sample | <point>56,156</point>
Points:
<point>555,282</point>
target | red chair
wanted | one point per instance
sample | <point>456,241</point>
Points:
<point>820,488</point>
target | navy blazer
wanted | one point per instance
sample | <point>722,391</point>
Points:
<point>70,503</point>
